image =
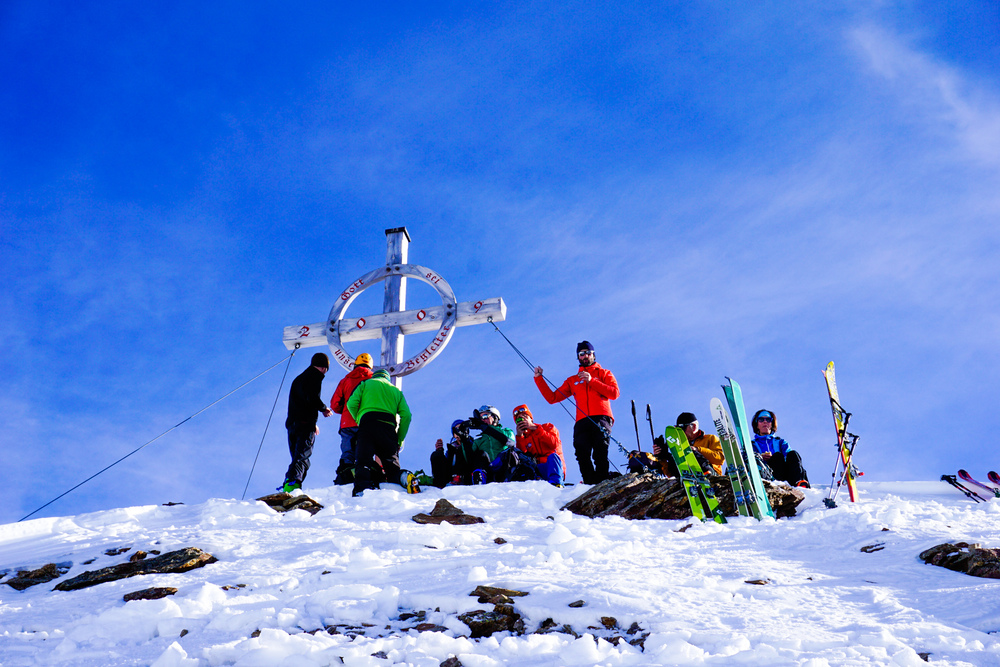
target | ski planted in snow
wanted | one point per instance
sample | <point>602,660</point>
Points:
<point>697,487</point>
<point>734,395</point>
<point>969,493</point>
<point>746,500</point>
<point>846,442</point>
<point>966,477</point>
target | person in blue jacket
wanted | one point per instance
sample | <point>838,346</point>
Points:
<point>785,463</point>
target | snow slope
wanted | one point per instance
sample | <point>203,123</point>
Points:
<point>360,563</point>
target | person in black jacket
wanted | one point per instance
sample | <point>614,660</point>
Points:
<point>304,404</point>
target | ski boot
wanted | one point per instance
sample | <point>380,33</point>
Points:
<point>290,486</point>
<point>409,481</point>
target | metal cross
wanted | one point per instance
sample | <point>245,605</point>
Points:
<point>394,322</point>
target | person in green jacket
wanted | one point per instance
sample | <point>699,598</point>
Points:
<point>493,441</point>
<point>378,406</point>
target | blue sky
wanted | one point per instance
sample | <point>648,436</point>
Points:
<point>700,189</point>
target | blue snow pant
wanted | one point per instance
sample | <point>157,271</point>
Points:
<point>552,469</point>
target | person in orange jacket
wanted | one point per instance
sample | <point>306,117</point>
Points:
<point>541,442</point>
<point>348,427</point>
<point>591,388</point>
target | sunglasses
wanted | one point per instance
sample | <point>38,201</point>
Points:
<point>765,419</point>
<point>584,353</point>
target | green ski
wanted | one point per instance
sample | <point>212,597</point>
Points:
<point>699,491</point>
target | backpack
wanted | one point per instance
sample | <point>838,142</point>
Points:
<point>513,465</point>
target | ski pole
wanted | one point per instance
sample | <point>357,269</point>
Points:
<point>649,418</point>
<point>636,422</point>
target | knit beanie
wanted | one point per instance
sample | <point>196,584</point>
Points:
<point>381,373</point>
<point>685,418</point>
<point>320,360</point>
<point>584,345</point>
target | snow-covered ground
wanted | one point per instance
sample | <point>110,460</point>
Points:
<point>361,563</point>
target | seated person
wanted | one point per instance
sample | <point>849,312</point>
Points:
<point>706,444</point>
<point>450,465</point>
<point>541,442</point>
<point>470,461</point>
<point>784,463</point>
<point>706,447</point>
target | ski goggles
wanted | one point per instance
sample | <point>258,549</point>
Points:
<point>765,417</point>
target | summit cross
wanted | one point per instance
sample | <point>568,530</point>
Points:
<point>394,322</point>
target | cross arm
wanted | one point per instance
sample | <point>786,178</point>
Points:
<point>409,322</point>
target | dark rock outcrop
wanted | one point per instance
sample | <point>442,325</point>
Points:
<point>484,623</point>
<point>181,560</point>
<point>26,579</point>
<point>150,593</point>
<point>445,511</point>
<point>650,496</point>
<point>286,502</point>
<point>966,558</point>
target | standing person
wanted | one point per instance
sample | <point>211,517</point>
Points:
<point>304,404</point>
<point>348,427</point>
<point>541,442</point>
<point>376,406</point>
<point>591,388</point>
<point>785,463</point>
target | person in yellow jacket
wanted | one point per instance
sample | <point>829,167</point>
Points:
<point>377,406</point>
<point>706,444</point>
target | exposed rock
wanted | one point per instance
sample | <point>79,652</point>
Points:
<point>453,661</point>
<point>175,561</point>
<point>138,555</point>
<point>430,627</point>
<point>577,604</point>
<point>484,623</point>
<point>758,582</point>
<point>26,579</point>
<point>285,502</point>
<point>494,595</point>
<point>445,511</point>
<point>651,496</point>
<point>609,622</point>
<point>966,558</point>
<point>117,551</point>
<point>872,548</point>
<point>150,594</point>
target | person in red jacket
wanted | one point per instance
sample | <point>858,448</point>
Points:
<point>348,427</point>
<point>591,388</point>
<point>540,442</point>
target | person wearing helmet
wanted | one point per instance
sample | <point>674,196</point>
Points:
<point>303,405</point>
<point>377,406</point>
<point>785,463</point>
<point>348,427</point>
<point>449,464</point>
<point>494,439</point>
<point>591,388</point>
<point>541,442</point>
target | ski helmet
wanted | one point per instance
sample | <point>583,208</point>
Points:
<point>364,359</point>
<point>484,409</point>
<point>764,413</point>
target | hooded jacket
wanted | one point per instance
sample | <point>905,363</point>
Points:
<point>591,397</point>
<point>541,442</point>
<point>345,388</point>
<point>377,394</point>
<point>304,402</point>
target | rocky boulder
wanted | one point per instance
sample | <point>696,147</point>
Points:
<point>651,496</point>
<point>966,558</point>
<point>175,561</point>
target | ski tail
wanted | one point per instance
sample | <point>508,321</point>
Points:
<point>966,477</point>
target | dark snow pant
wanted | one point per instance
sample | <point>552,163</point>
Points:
<point>446,466</point>
<point>376,437</point>
<point>301,438</point>
<point>788,467</point>
<point>591,437</point>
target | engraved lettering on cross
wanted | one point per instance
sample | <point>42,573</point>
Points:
<point>394,322</point>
